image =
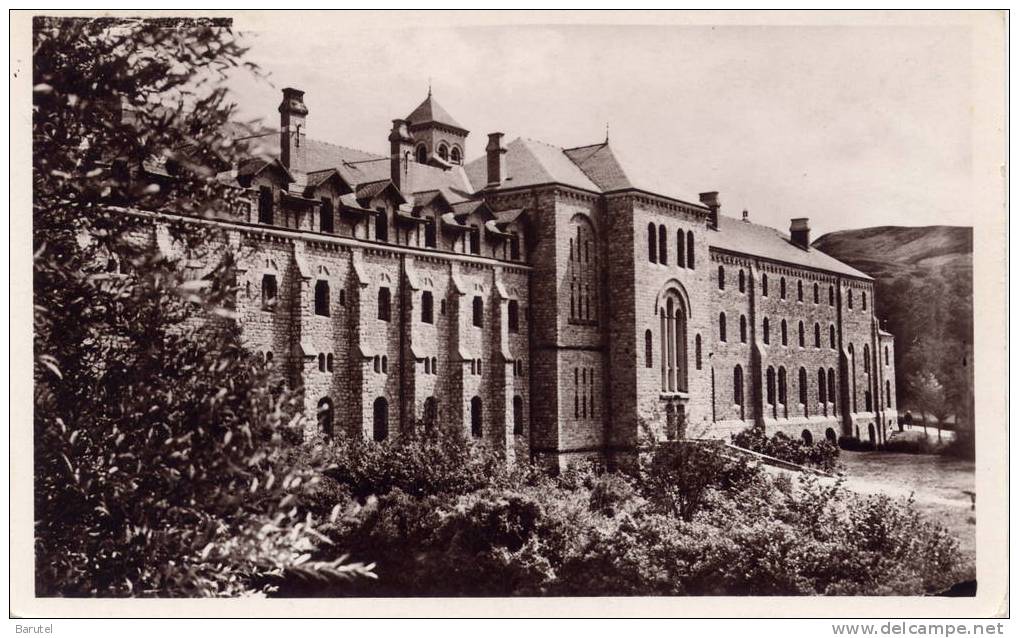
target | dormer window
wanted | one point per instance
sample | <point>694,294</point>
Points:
<point>421,154</point>
<point>444,152</point>
<point>455,156</point>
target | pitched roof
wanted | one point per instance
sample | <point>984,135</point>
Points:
<point>430,111</point>
<point>764,241</point>
<point>529,162</point>
<point>599,163</point>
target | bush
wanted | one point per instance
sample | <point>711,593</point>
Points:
<point>822,455</point>
<point>853,444</point>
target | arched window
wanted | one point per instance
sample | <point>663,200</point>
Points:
<point>870,431</point>
<point>476,418</point>
<point>807,437</point>
<point>430,233</point>
<point>766,331</point>
<point>866,358</point>
<point>680,248</point>
<point>435,365</point>
<point>518,415</point>
<point>329,362</point>
<point>743,328</point>
<point>582,270</point>
<point>663,246</point>
<point>864,299</point>
<point>428,365</point>
<point>817,293</point>
<point>479,312</point>
<point>325,416</point>
<point>268,359</point>
<point>770,385</point>
<point>867,401</point>
<point>888,394</point>
<point>322,298</point>
<point>817,335</point>
<point>268,292</point>
<point>672,338</point>
<point>742,281</point>
<point>652,244</point>
<point>444,152</point>
<point>648,350</point>
<point>764,284</point>
<point>822,393</point>
<point>265,204</point>
<point>803,336</point>
<point>431,414</point>
<point>783,395</point>
<point>831,295</point>
<point>737,386</point>
<point>385,364</point>
<point>689,249</point>
<point>380,419</point>
<point>384,312</point>
<point>455,156</point>
<point>721,278</point>
<point>381,225</point>
<point>474,236</point>
<point>831,336</point>
<point>377,363</point>
<point>721,326</point>
<point>325,216</point>
<point>427,307</point>
<point>421,154</point>
<point>513,312</point>
<point>886,355</point>
<point>831,390</point>
<point>785,333</point>
<point>831,437</point>
<point>781,287</point>
<point>697,351</point>
<point>799,290</point>
<point>803,389</point>
<point>321,362</point>
<point>849,298</point>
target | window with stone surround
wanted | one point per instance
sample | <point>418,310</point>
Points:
<point>770,385</point>
<point>803,336</point>
<point>269,292</point>
<point>663,246</point>
<point>478,318</point>
<point>785,333</point>
<point>737,387</point>
<point>474,235</point>
<point>832,397</point>
<point>697,352</point>
<point>721,277</point>
<point>430,233</point>
<point>863,299</point>
<point>743,328</point>
<point>513,318</point>
<point>652,244</point>
<point>766,331</point>
<point>381,225</point>
<point>321,362</point>
<point>329,362</point>
<point>822,392</point>
<point>673,339</point>
<point>421,154</point>
<point>455,156</point>
<point>764,284</point>
<point>781,287</point>
<point>721,327</point>
<point>689,249</point>
<point>648,350</point>
<point>803,389</point>
<point>849,298</point>
<point>681,248</point>
<point>444,152</point>
<point>799,290</point>
<point>817,335</point>
<point>582,272</point>
<point>831,336</point>
<point>384,299</point>
<point>322,298</point>
<point>817,293</point>
<point>742,281</point>
<point>831,295</point>
<point>426,307</point>
<point>477,418</point>
<point>783,396</point>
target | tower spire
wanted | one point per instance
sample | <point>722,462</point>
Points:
<point>606,132</point>
<point>429,86</point>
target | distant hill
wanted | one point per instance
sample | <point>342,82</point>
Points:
<point>924,289</point>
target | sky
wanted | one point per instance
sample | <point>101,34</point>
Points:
<point>850,126</point>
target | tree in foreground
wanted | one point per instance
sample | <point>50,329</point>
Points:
<point>157,437</point>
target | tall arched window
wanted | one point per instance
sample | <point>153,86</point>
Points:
<point>737,386</point>
<point>329,362</point>
<point>764,284</point>
<point>822,393</point>
<point>648,349</point>
<point>742,281</point>
<point>785,333</point>
<point>325,416</point>
<point>421,154</point>
<point>803,389</point>
<point>831,336</point>
<point>322,298</point>
<point>721,326</point>
<point>743,328</point>
<point>831,295</point>
<point>803,336</point>
<point>431,414</point>
<point>680,248</point>
<point>518,415</point>
<point>770,386</point>
<point>849,298</point>
<point>689,249</point>
<point>781,287</point>
<point>674,344</point>
<point>444,152</point>
<point>381,225</point>
<point>886,355</point>
<point>455,156</point>
<point>817,293</point>
<point>721,278</point>
<point>427,314</point>
<point>321,362</point>
<point>513,315</point>
<point>697,351</point>
<point>476,418</point>
<point>866,358</point>
<point>380,419</point>
<point>888,394</point>
<point>663,246</point>
<point>265,204</point>
<point>325,216</point>
<point>268,292</point>
<point>831,391</point>
<point>582,270</point>
<point>817,335</point>
<point>799,290</point>
<point>783,393</point>
<point>864,299</point>
<point>766,331</point>
<point>384,312</point>
<point>652,244</point>
<point>478,317</point>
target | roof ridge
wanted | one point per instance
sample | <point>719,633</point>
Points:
<point>577,148</point>
<point>349,148</point>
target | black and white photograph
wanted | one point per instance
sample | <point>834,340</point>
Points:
<point>341,309</point>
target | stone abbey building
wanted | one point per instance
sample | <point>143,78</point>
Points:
<point>538,298</point>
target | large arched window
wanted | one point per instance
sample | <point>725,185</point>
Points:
<point>689,249</point>
<point>455,156</point>
<point>380,419</point>
<point>384,297</point>
<point>721,326</point>
<point>681,248</point>
<point>663,245</point>
<point>648,350</point>
<point>325,416</point>
<point>672,336</point>
<point>421,154</point>
<point>444,152</point>
<point>518,415</point>
<point>652,244</point>
<point>721,278</point>
<point>322,298</point>
<point>476,418</point>
<point>582,269</point>
<point>325,216</point>
<point>743,328</point>
<point>427,307</point>
<point>478,317</point>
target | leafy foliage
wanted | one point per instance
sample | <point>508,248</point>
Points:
<point>821,454</point>
<point>158,439</point>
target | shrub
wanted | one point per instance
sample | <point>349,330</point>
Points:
<point>822,454</point>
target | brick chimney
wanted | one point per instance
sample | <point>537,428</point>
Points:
<point>496,159</point>
<point>293,114</point>
<point>710,199</point>
<point>401,151</point>
<point>799,232</point>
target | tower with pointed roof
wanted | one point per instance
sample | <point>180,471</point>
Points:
<point>438,138</point>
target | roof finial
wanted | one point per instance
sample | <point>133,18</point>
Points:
<point>606,132</point>
<point>429,86</point>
